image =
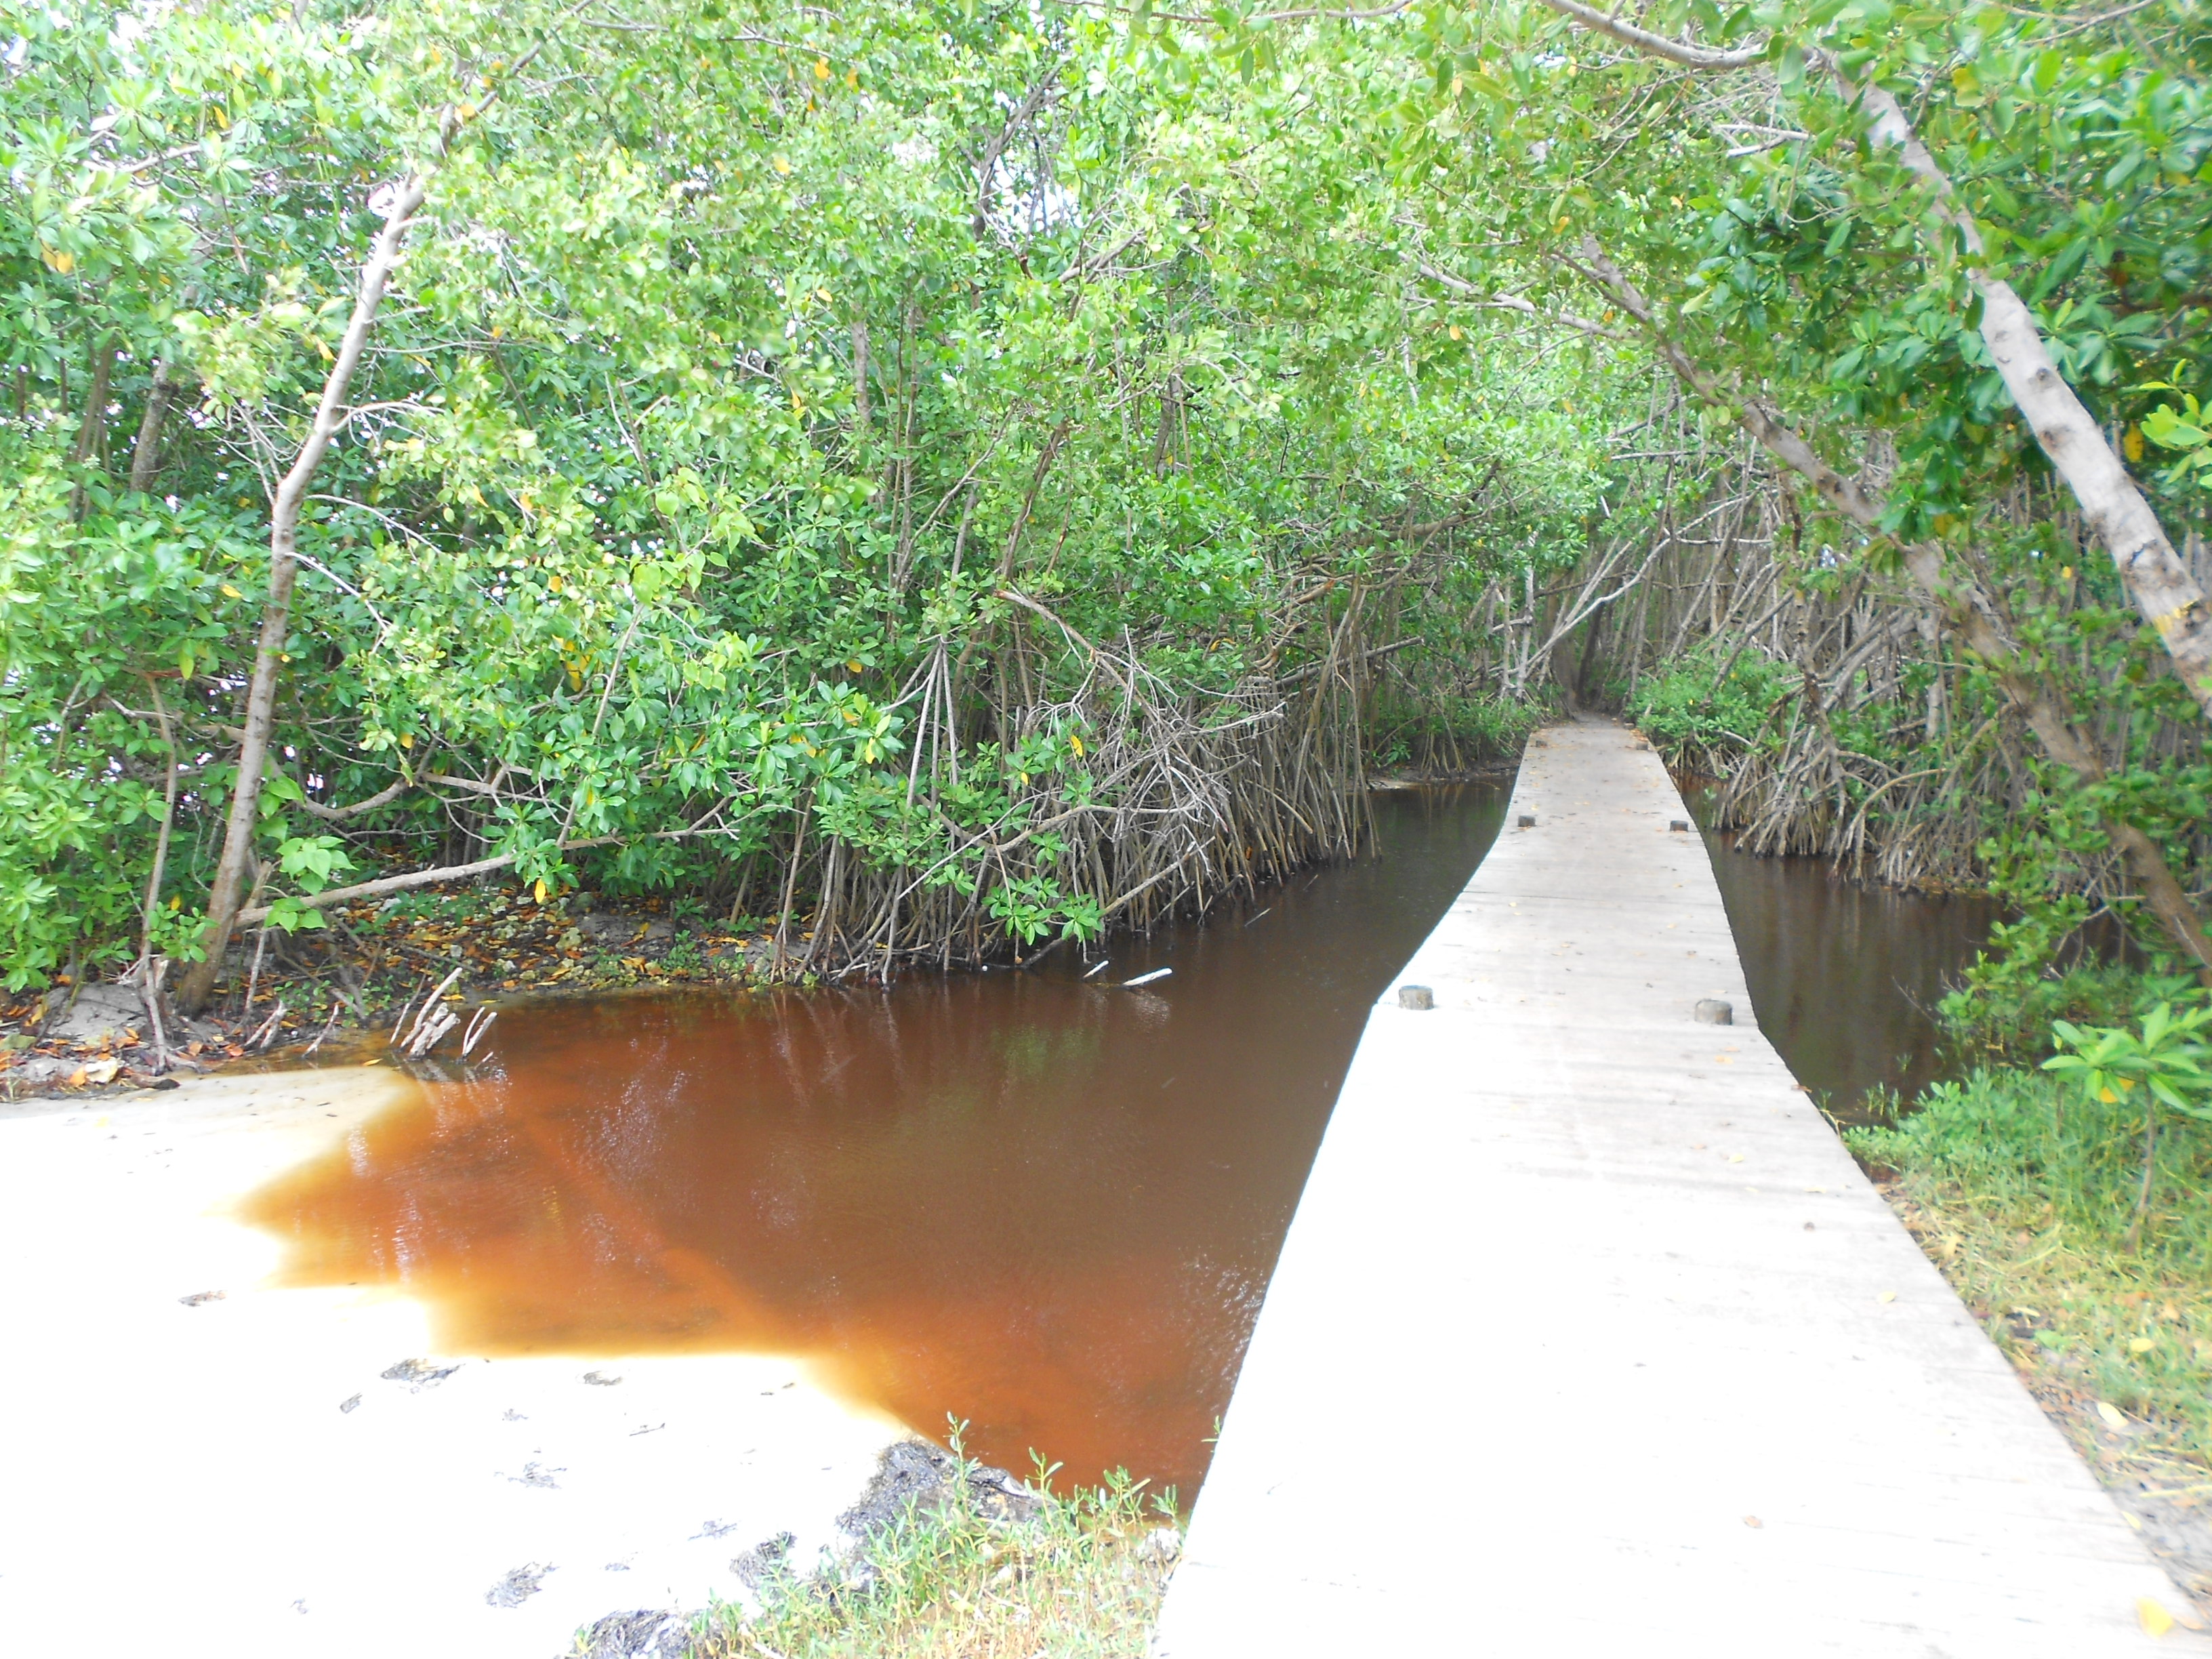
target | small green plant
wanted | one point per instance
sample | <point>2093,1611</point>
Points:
<point>2167,1058</point>
<point>1709,706</point>
<point>2187,429</point>
<point>311,861</point>
<point>959,1574</point>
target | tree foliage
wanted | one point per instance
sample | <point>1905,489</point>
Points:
<point>824,432</point>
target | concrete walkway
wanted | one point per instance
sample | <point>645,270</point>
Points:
<point>1588,1337</point>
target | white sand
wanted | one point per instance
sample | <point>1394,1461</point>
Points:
<point>183,1476</point>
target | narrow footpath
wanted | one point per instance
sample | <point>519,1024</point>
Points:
<point>1589,1337</point>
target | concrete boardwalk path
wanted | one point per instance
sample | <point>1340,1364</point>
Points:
<point>1588,1337</point>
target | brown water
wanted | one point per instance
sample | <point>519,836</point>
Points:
<point>1845,979</point>
<point>1042,1205</point>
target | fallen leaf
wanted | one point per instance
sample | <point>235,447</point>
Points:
<point>1753,1521</point>
<point>2114,1419</point>
<point>2153,1617</point>
<point>1886,1296</point>
<point>2140,1345</point>
<point>102,1071</point>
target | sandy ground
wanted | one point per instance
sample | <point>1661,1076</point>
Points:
<point>237,1474</point>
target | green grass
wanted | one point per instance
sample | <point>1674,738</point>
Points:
<point>1080,1577</point>
<point>2025,1193</point>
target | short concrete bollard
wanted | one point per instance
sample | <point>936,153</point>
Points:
<point>1712,1011</point>
<point>1416,996</point>
<point>1528,822</point>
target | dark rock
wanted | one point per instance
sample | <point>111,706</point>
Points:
<point>644,1634</point>
<point>914,1473</point>
<point>519,1585</point>
<point>419,1373</point>
<point>763,1558</point>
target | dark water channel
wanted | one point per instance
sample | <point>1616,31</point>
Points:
<point>1044,1205</point>
<point>1845,979</point>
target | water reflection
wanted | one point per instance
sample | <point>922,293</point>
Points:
<point>1046,1205</point>
<point>1844,978</point>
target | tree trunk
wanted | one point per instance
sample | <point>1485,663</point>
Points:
<point>2156,577</point>
<point>146,453</point>
<point>861,410</point>
<point>1964,608</point>
<point>93,429</point>
<point>277,613</point>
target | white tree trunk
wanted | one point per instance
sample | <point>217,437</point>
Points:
<point>1965,609</point>
<point>330,413</point>
<point>2155,576</point>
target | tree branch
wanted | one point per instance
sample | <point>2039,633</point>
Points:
<point>1676,52</point>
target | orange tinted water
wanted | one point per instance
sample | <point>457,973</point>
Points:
<point>1038,1203</point>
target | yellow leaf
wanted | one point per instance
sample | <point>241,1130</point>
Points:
<point>553,582</point>
<point>852,77</point>
<point>58,260</point>
<point>539,891</point>
<point>1886,1296</point>
<point>1455,333</point>
<point>780,163</point>
<point>2153,1617</point>
<point>2065,573</point>
<point>231,592</point>
<point>1077,742</point>
<point>2111,1415</point>
<point>2132,442</point>
<point>854,663</point>
<point>822,69</point>
<point>406,740</point>
<point>2140,1345</point>
<point>221,120</point>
